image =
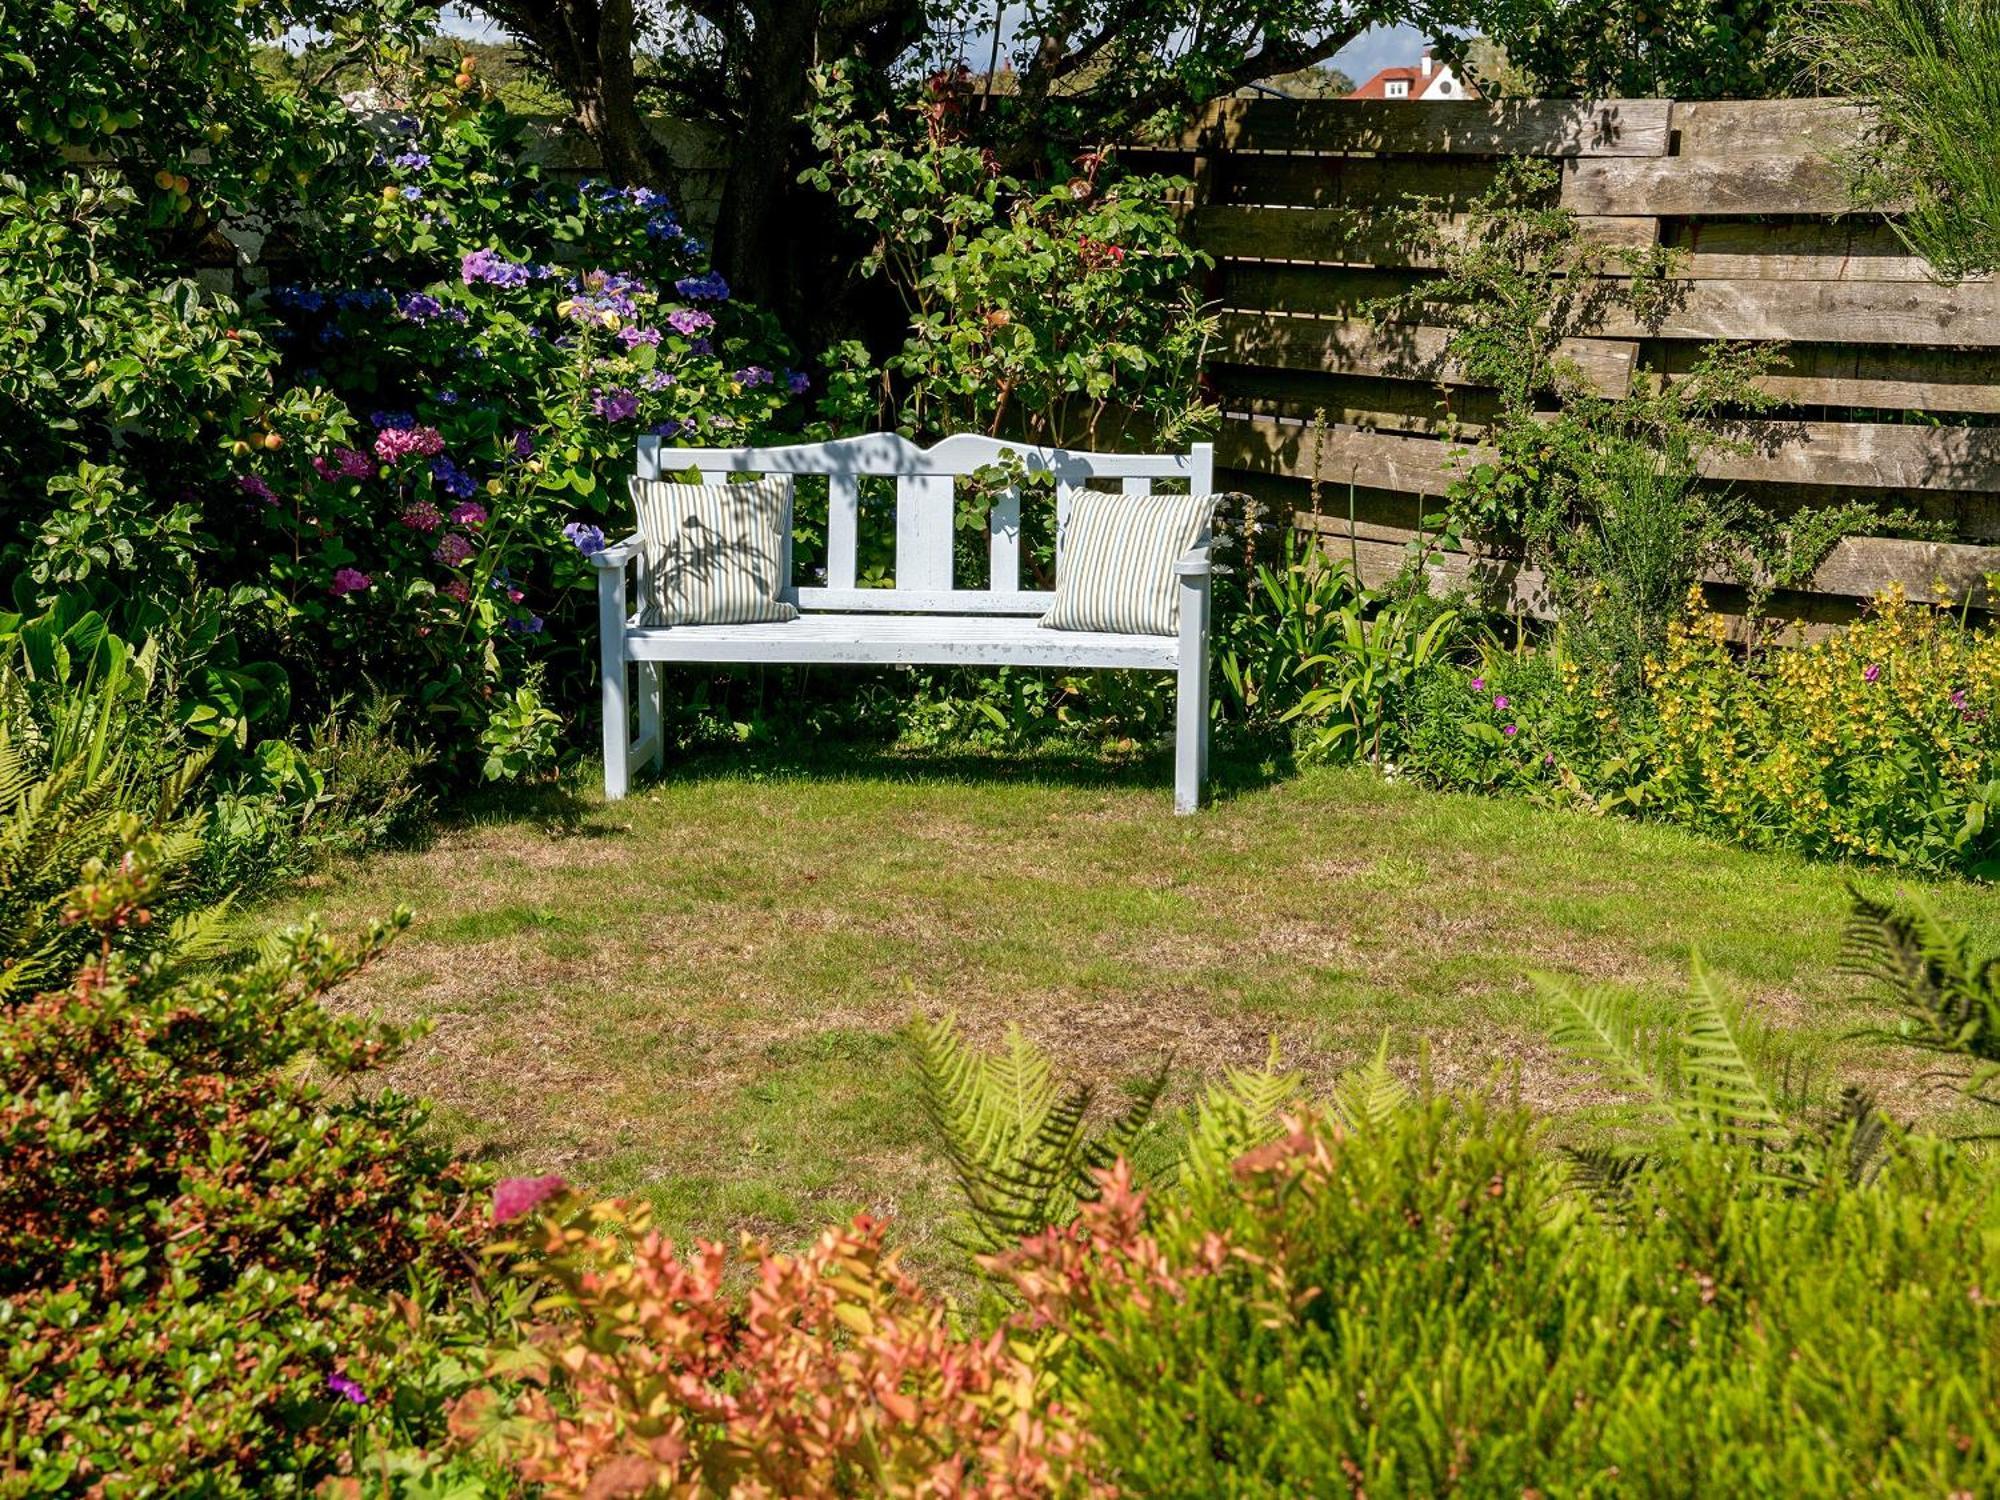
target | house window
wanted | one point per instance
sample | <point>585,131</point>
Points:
<point>1398,89</point>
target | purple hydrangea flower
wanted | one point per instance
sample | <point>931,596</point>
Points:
<point>753,376</point>
<point>530,626</point>
<point>472,513</point>
<point>411,161</point>
<point>633,337</point>
<point>524,443</point>
<point>673,427</point>
<point>659,380</point>
<point>349,581</point>
<point>615,406</point>
<point>707,287</point>
<point>491,268</point>
<point>798,382</point>
<point>391,419</point>
<point>413,194</point>
<point>450,478</point>
<point>453,550</point>
<point>689,322</point>
<point>587,539</point>
<point>419,307</point>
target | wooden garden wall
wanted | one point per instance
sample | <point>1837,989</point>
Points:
<point>1892,388</point>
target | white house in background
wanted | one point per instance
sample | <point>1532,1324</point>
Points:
<point>1429,80</point>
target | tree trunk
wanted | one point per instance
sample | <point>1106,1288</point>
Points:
<point>767,220</point>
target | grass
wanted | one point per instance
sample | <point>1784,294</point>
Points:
<point>696,995</point>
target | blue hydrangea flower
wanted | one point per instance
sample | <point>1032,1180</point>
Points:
<point>587,539</point>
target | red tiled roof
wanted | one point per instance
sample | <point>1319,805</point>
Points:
<point>1420,84</point>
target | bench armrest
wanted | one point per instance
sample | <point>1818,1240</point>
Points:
<point>1195,564</point>
<point>617,554</point>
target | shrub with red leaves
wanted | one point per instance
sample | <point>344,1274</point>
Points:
<point>834,1374</point>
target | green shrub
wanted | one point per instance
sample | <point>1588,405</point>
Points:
<point>213,1276</point>
<point>1419,1305</point>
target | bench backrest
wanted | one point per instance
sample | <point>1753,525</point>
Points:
<point>925,508</point>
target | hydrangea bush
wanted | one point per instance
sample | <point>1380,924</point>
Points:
<point>504,345</point>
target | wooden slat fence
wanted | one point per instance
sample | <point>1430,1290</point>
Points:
<point>1890,392</point>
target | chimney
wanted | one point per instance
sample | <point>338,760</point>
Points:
<point>1427,62</point>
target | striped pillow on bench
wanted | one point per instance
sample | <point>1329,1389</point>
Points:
<point>1116,572</point>
<point>714,554</point>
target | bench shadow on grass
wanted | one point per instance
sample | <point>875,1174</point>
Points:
<point>573,807</point>
<point>1235,768</point>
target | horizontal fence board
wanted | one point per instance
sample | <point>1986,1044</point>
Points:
<point>1840,312</point>
<point>1751,250</point>
<point>1366,183</point>
<point>1345,236</point>
<point>1355,400</point>
<point>1528,127</point>
<point>1765,127</point>
<point>1707,186</point>
<point>1879,378</point>
<point>1864,455</point>
<point>1364,346</point>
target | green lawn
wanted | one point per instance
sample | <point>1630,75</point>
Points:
<point>696,995</point>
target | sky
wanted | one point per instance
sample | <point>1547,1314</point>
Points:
<point>1377,48</point>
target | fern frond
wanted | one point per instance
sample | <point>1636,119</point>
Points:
<point>1600,1026</point>
<point>1368,1097</point>
<point>1237,1115</point>
<point>1913,960</point>
<point>1121,1138</point>
<point>1724,1094</point>
<point>1606,1175</point>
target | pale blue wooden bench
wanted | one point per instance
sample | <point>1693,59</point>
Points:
<point>924,619</point>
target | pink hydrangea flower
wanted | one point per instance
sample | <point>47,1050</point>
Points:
<point>350,581</point>
<point>472,513</point>
<point>421,515</point>
<point>459,589</point>
<point>515,1196</point>
<point>453,550</point>
<point>394,443</point>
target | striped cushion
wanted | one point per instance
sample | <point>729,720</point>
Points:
<point>714,554</point>
<point>1116,571</point>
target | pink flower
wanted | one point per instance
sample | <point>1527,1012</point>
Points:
<point>458,589</point>
<point>1872,674</point>
<point>394,443</point>
<point>514,1196</point>
<point>421,515</point>
<point>1502,701</point>
<point>253,484</point>
<point>453,550</point>
<point>1479,684</point>
<point>1511,730</point>
<point>472,513</point>
<point>350,581</point>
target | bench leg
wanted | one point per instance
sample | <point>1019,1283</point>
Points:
<point>611,667</point>
<point>1191,704</point>
<point>650,746</point>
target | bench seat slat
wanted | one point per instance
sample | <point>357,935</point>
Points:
<point>920,601</point>
<point>877,639</point>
